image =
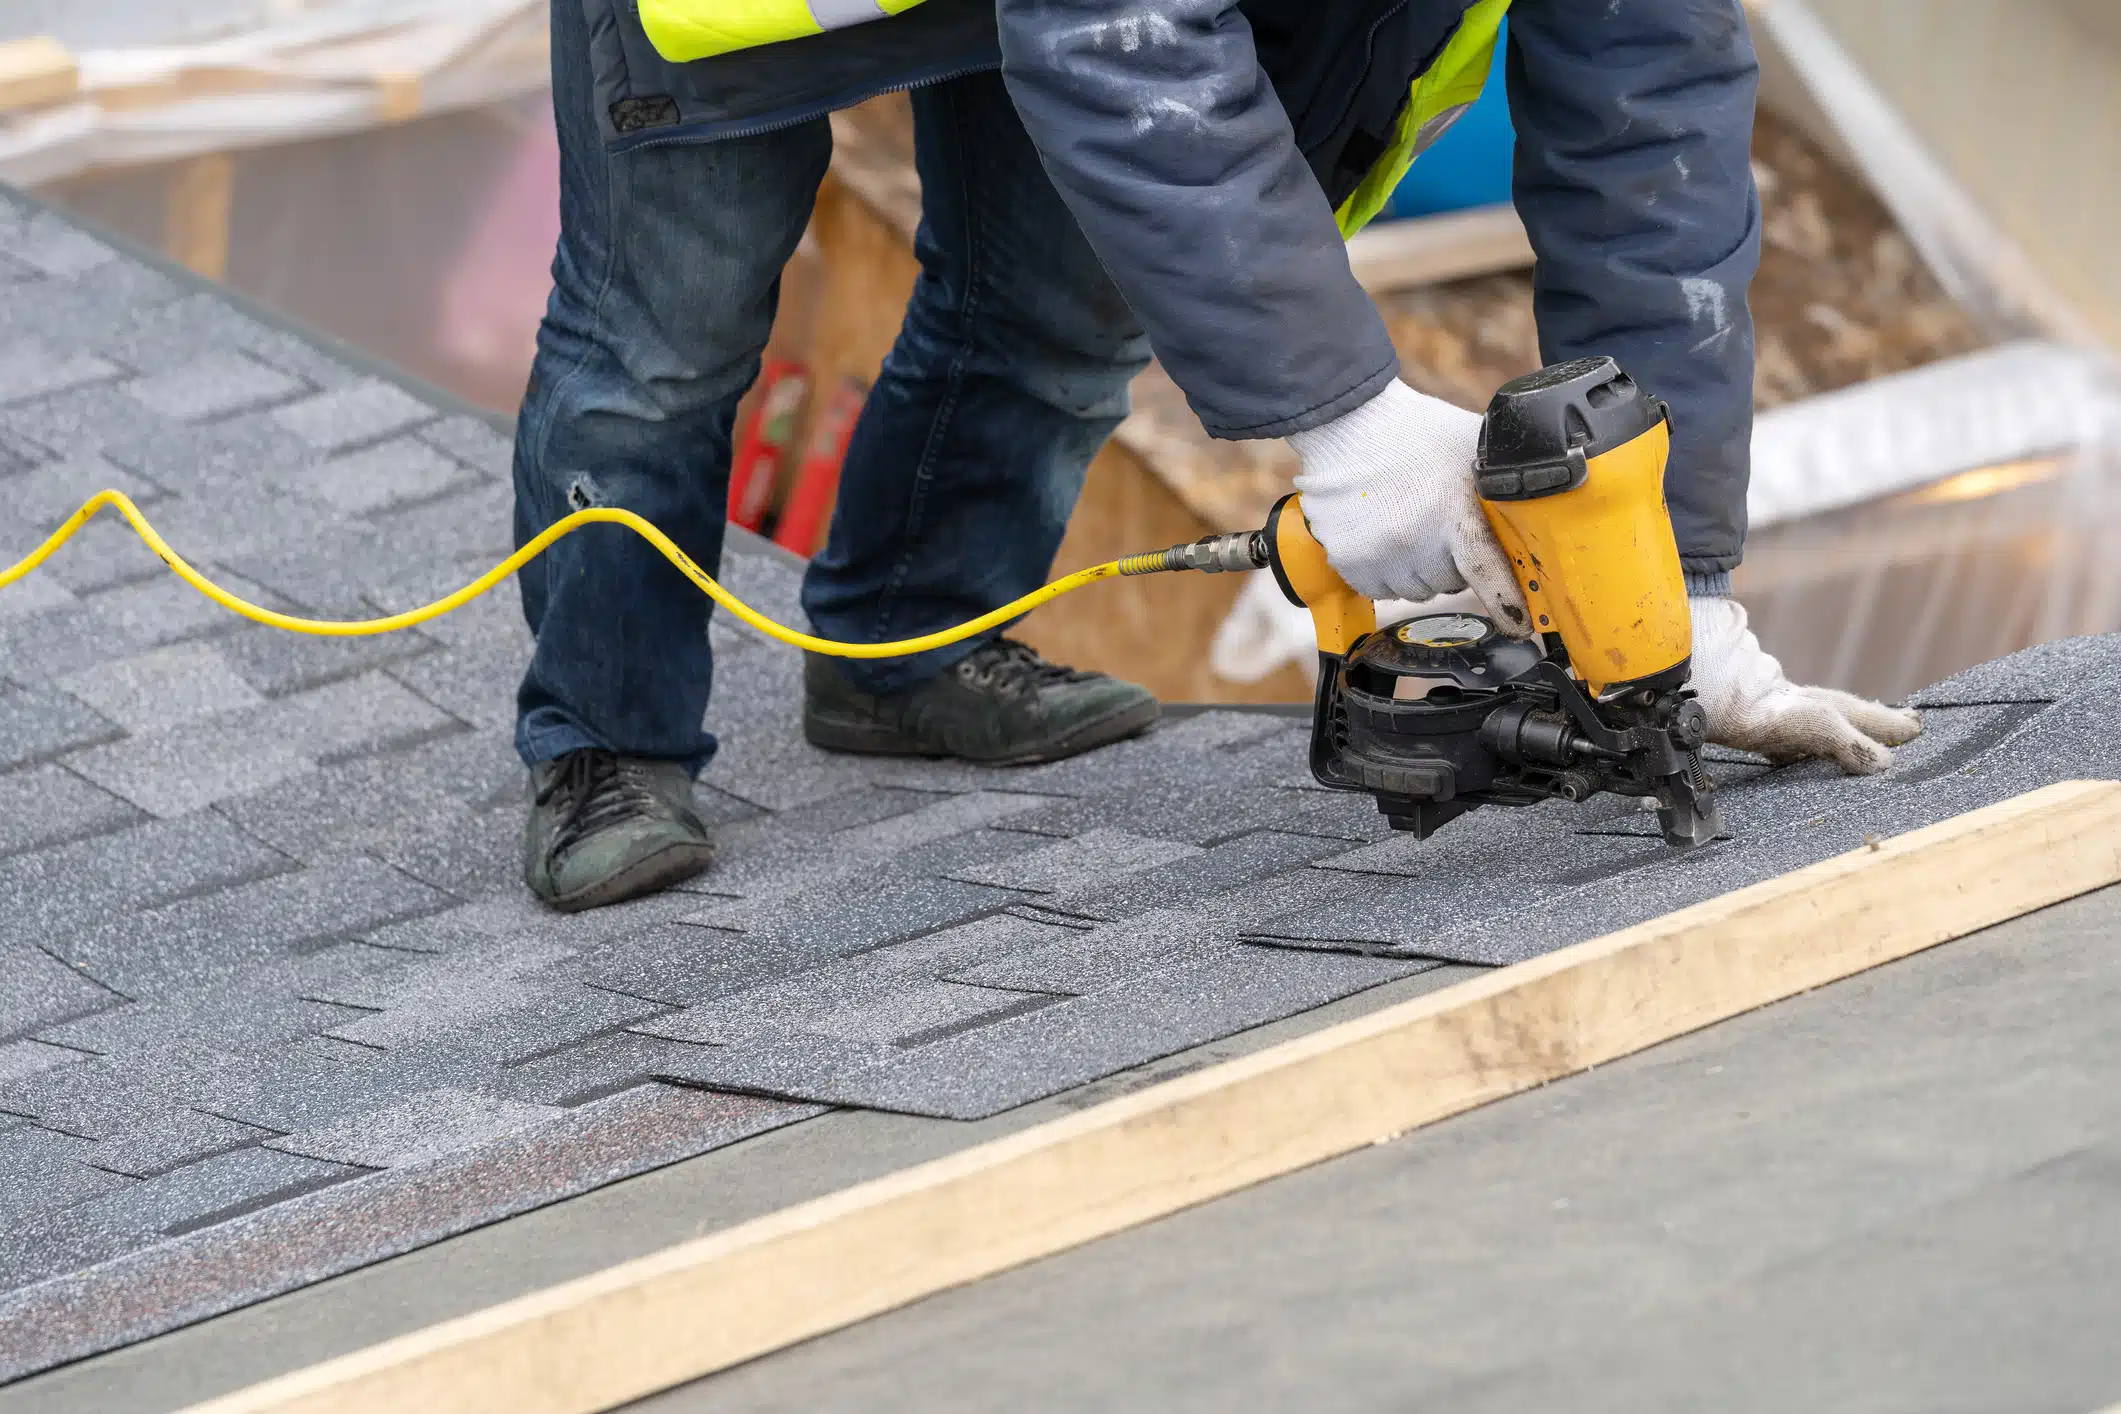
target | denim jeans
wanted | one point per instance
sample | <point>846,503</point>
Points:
<point>1009,372</point>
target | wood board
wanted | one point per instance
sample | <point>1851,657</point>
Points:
<point>36,71</point>
<point>648,1324</point>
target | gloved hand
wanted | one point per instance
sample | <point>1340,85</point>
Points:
<point>1388,490</point>
<point>1753,707</point>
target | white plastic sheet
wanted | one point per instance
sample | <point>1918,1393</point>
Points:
<point>2031,404</point>
<point>280,74</point>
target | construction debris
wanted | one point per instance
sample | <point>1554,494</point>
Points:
<point>1840,298</point>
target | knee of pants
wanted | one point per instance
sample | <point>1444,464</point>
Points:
<point>1088,387</point>
<point>1070,339</point>
<point>620,360</point>
<point>1075,362</point>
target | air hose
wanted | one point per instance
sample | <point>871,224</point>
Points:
<point>1217,552</point>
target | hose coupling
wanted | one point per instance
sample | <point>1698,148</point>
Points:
<point>1212,554</point>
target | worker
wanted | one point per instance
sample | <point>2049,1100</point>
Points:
<point>1099,179</point>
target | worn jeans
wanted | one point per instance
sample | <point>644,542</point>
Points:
<point>1010,371</point>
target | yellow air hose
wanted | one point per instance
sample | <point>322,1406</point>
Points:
<point>1179,557</point>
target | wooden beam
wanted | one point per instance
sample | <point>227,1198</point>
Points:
<point>1428,250</point>
<point>195,222</point>
<point>36,71</point>
<point>645,1325</point>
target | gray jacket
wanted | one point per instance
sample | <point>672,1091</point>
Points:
<point>1203,143</point>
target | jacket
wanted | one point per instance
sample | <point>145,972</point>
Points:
<point>1203,145</point>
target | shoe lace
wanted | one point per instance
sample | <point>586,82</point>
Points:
<point>596,791</point>
<point>1013,666</point>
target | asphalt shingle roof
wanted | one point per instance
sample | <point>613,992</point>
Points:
<point>273,1003</point>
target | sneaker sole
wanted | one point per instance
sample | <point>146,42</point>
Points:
<point>651,875</point>
<point>867,739</point>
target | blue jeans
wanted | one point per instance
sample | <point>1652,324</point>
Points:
<point>1009,372</point>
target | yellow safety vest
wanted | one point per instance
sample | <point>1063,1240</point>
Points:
<point>684,30</point>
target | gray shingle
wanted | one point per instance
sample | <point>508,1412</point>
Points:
<point>126,1219</point>
<point>53,246</point>
<point>21,1059</point>
<point>49,805</point>
<point>278,663</point>
<point>41,1171</point>
<point>308,1084</point>
<point>474,442</point>
<point>469,854</point>
<point>172,1139</point>
<point>2043,673</point>
<point>173,334</point>
<point>1216,813</point>
<point>475,1009</point>
<point>47,891</point>
<point>218,935</point>
<point>349,1224</point>
<point>858,1000</point>
<point>1191,879</point>
<point>387,474</point>
<point>1022,1056</point>
<point>682,965</point>
<point>416,1129</point>
<point>44,496</point>
<point>38,990</point>
<point>40,647</point>
<point>162,687</point>
<point>36,723</point>
<point>19,453</point>
<point>187,767</point>
<point>38,594</point>
<point>216,1189</point>
<point>28,371</point>
<point>477,686</point>
<point>586,1070</point>
<point>938,937</point>
<point>359,801</point>
<point>347,417</point>
<point>834,920</point>
<point>164,609</point>
<point>214,385</point>
<point>1098,855</point>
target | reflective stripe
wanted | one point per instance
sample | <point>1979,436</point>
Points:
<point>1438,96</point>
<point>838,14</point>
<point>684,30</point>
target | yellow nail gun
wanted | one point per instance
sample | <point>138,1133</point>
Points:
<point>1440,713</point>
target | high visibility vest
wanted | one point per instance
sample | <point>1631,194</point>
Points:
<point>684,30</point>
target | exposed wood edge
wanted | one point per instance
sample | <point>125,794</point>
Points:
<point>623,1333</point>
<point>196,220</point>
<point>1427,250</point>
<point>36,71</point>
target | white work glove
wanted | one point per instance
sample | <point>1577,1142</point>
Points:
<point>1388,490</point>
<point>1752,707</point>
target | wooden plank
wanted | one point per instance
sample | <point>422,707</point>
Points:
<point>36,71</point>
<point>623,1333</point>
<point>195,222</point>
<point>1428,250</point>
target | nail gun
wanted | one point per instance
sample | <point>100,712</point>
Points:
<point>1443,712</point>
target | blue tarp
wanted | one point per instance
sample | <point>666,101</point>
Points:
<point>1470,164</point>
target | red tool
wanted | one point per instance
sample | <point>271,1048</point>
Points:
<point>762,447</point>
<point>817,481</point>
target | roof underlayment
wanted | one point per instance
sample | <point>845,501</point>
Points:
<point>273,1004</point>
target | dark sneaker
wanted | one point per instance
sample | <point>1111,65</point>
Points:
<point>605,828</point>
<point>1001,704</point>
